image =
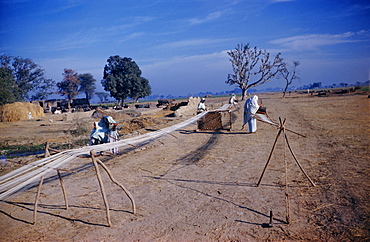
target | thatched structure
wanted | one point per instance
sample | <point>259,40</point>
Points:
<point>17,111</point>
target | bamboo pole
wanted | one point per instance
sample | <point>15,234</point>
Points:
<point>296,160</point>
<point>55,150</point>
<point>92,153</point>
<point>172,135</point>
<point>268,160</point>
<point>63,189</point>
<point>109,153</point>
<point>156,139</point>
<point>134,146</point>
<point>47,153</point>
<point>271,224</point>
<point>278,126</point>
<point>272,151</point>
<point>118,184</point>
<point>287,205</point>
<point>37,200</point>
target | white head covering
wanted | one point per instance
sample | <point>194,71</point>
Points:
<point>251,105</point>
<point>110,119</point>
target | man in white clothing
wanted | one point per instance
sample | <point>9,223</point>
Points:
<point>250,109</point>
<point>201,106</point>
<point>104,131</point>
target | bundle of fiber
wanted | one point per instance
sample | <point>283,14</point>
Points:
<point>31,173</point>
<point>17,111</point>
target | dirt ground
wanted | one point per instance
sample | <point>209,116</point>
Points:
<point>201,186</point>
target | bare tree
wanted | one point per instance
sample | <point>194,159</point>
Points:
<point>252,67</point>
<point>289,75</point>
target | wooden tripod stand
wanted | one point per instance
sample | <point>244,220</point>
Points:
<point>282,130</point>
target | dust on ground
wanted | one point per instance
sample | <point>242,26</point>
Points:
<point>201,186</point>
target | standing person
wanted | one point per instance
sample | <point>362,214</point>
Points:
<point>250,109</point>
<point>112,132</point>
<point>201,106</point>
<point>233,100</point>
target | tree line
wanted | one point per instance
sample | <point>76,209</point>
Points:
<point>21,79</point>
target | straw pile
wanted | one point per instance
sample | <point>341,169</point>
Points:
<point>17,111</point>
<point>128,126</point>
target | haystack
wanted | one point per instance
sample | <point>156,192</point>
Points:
<point>190,108</point>
<point>17,111</point>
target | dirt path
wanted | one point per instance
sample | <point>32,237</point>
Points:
<point>201,186</point>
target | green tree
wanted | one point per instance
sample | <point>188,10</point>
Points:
<point>29,77</point>
<point>9,91</point>
<point>69,86</point>
<point>140,89</point>
<point>252,67</point>
<point>87,85</point>
<point>122,79</point>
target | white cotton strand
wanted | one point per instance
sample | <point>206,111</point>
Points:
<point>21,177</point>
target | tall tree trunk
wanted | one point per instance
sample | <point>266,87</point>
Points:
<point>69,103</point>
<point>286,87</point>
<point>87,98</point>
<point>244,92</point>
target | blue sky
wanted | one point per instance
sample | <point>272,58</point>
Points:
<point>181,45</point>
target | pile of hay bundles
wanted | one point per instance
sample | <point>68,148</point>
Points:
<point>17,111</point>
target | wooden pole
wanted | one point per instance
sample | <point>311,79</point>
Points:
<point>92,153</point>
<point>118,184</point>
<point>271,224</point>
<point>63,189</point>
<point>37,200</point>
<point>285,128</point>
<point>268,160</point>
<point>295,158</point>
<point>158,140</point>
<point>287,205</point>
<point>171,135</point>
<point>272,151</point>
<point>47,153</point>
<point>230,120</point>
<point>55,150</point>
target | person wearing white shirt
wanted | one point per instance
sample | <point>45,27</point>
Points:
<point>250,109</point>
<point>202,106</point>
